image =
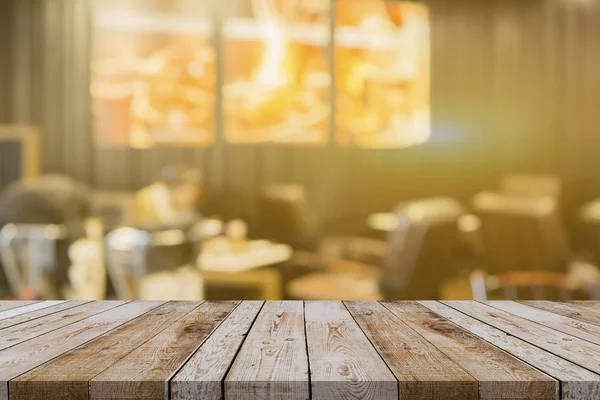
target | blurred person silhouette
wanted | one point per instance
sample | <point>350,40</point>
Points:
<point>172,201</point>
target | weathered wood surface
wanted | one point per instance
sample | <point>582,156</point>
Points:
<point>580,329</point>
<point>578,351</point>
<point>272,363</point>
<point>22,332</point>
<point>146,371</point>
<point>577,382</point>
<point>581,312</point>
<point>203,374</point>
<point>25,356</point>
<point>68,376</point>
<point>10,305</point>
<point>424,372</point>
<point>299,350</point>
<point>33,311</point>
<point>497,372</point>
<point>343,364</point>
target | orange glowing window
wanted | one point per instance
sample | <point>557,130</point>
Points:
<point>277,77</point>
<point>381,73</point>
<point>153,73</point>
<point>271,71</point>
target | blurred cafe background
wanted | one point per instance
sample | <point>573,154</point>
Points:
<point>300,149</point>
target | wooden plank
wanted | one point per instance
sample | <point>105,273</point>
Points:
<point>23,357</point>
<point>146,371</point>
<point>19,315</point>
<point>567,309</point>
<point>272,363</point>
<point>578,351</point>
<point>68,376</point>
<point>582,330</point>
<point>498,373</point>
<point>9,305</point>
<point>20,333</point>
<point>343,363</point>
<point>576,383</point>
<point>202,376</point>
<point>40,305</point>
<point>37,305</point>
<point>424,372</point>
<point>592,304</point>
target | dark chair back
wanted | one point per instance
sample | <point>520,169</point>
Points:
<point>522,234</point>
<point>285,216</point>
<point>421,250</point>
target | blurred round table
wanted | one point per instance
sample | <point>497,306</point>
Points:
<point>244,265</point>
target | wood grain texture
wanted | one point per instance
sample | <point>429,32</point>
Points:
<point>202,376</point>
<point>68,376</point>
<point>23,357</point>
<point>578,351</point>
<point>567,309</point>
<point>272,363</point>
<point>591,304</point>
<point>33,311</point>
<point>146,371</point>
<point>299,350</point>
<point>343,363</point>
<point>11,304</point>
<point>28,308</point>
<point>20,333</point>
<point>498,373</point>
<point>423,371</point>
<point>577,383</point>
<point>582,330</point>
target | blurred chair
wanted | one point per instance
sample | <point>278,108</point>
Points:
<point>126,250</point>
<point>154,265</point>
<point>419,257</point>
<point>514,285</point>
<point>528,252</point>
<point>285,216</point>
<point>28,255</point>
<point>531,185</point>
<point>422,250</point>
<point>522,234</point>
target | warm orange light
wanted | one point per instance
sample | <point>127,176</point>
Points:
<point>271,71</point>
<point>382,62</point>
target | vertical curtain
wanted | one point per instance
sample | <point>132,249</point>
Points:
<point>49,48</point>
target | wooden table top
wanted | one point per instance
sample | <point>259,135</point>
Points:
<point>299,350</point>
